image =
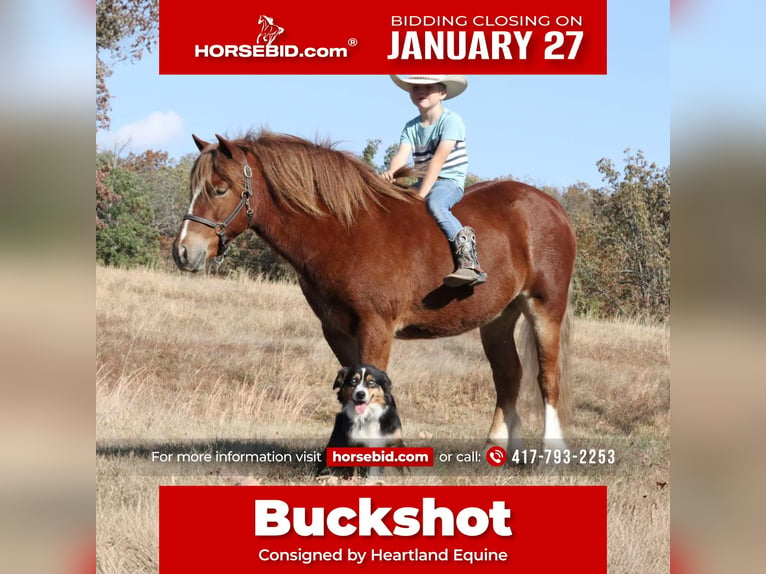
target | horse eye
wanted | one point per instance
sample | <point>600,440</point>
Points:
<point>220,190</point>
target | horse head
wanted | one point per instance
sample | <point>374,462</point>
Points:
<point>221,203</point>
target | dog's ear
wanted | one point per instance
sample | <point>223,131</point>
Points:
<point>340,377</point>
<point>386,381</point>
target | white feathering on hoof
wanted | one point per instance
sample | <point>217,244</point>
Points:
<point>553,437</point>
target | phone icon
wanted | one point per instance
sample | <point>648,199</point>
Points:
<point>496,456</point>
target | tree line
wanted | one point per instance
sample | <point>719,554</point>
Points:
<point>622,228</point>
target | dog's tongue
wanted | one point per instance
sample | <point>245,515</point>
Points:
<point>360,408</point>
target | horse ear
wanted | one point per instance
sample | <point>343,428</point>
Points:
<point>226,147</point>
<point>200,143</point>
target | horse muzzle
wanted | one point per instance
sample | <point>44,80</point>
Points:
<point>189,257</point>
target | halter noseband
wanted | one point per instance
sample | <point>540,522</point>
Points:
<point>220,227</point>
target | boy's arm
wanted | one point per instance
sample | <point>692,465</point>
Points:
<point>399,160</point>
<point>435,166</point>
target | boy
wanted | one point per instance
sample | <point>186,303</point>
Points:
<point>436,141</point>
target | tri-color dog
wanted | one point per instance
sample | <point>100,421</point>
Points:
<point>368,417</point>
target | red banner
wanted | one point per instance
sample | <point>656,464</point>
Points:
<point>372,528</point>
<point>242,37</point>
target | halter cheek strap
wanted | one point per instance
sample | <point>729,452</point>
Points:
<point>244,201</point>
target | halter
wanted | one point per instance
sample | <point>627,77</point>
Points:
<point>220,227</point>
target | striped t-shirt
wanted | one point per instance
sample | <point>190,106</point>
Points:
<point>424,141</point>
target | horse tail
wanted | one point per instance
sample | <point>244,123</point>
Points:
<point>565,361</point>
<point>527,350</point>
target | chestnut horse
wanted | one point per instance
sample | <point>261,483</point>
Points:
<point>370,259</point>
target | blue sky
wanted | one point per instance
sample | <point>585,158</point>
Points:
<point>548,130</point>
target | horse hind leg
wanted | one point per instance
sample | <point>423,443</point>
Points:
<point>550,327</point>
<point>500,349</point>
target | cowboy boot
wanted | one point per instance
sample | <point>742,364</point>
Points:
<point>467,270</point>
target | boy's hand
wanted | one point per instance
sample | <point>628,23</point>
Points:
<point>388,175</point>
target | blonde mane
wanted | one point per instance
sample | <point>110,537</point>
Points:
<point>311,177</point>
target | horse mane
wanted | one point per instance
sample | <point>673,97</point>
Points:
<point>316,178</point>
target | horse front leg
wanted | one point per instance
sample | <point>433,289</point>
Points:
<point>338,325</point>
<point>374,335</point>
<point>345,347</point>
<point>369,341</point>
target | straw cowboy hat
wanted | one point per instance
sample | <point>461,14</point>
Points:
<point>455,84</point>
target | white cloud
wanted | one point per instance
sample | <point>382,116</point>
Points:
<point>151,132</point>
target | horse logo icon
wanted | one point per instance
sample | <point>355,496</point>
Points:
<point>269,30</point>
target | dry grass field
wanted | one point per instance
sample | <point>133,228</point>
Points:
<point>191,361</point>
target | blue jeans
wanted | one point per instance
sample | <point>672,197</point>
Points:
<point>443,195</point>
